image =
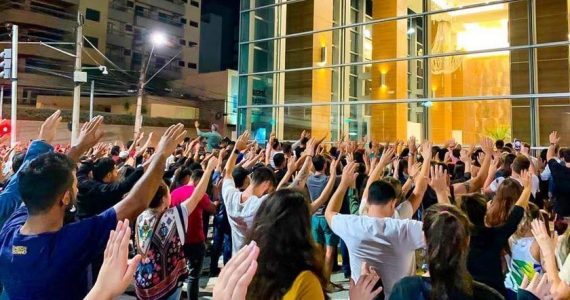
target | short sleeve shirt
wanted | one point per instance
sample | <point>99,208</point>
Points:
<point>51,265</point>
<point>195,233</point>
<point>387,244</point>
<point>240,214</point>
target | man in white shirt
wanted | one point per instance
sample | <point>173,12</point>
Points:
<point>241,207</point>
<point>386,238</point>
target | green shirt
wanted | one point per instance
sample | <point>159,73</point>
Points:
<point>213,139</point>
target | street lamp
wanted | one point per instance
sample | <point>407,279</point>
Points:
<point>157,39</point>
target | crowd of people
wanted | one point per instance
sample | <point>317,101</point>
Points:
<point>400,220</point>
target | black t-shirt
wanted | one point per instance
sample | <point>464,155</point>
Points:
<point>419,288</point>
<point>484,260</point>
<point>561,192</point>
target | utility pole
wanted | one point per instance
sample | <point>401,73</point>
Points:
<point>78,78</point>
<point>14,117</point>
<point>91,95</point>
<point>140,95</point>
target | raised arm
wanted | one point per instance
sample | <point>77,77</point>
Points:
<point>138,199</point>
<point>554,140</point>
<point>421,180</point>
<point>475,184</point>
<point>526,177</point>
<point>291,169</point>
<point>200,189</point>
<point>240,145</point>
<point>299,181</point>
<point>325,195</point>
<point>376,174</point>
<point>333,208</point>
<point>438,183</point>
<point>91,132</point>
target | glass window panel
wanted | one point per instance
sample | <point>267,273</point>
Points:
<point>488,74</point>
<point>553,65</point>
<point>554,115</point>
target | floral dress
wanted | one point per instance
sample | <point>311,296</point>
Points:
<point>159,239</point>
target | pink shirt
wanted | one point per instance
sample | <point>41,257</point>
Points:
<point>195,232</point>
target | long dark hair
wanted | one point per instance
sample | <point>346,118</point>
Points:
<point>282,230</point>
<point>507,195</point>
<point>447,234</point>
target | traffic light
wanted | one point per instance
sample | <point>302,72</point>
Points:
<point>5,127</point>
<point>6,63</point>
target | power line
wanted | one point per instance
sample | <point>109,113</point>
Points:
<point>105,57</point>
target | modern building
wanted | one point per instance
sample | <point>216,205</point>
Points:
<point>387,69</point>
<point>219,36</point>
<point>118,28</point>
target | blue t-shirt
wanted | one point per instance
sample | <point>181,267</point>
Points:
<point>51,265</point>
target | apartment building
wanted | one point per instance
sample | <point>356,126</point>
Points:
<point>118,28</point>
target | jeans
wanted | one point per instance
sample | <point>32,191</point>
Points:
<point>221,244</point>
<point>176,294</point>
<point>195,255</point>
<point>345,259</point>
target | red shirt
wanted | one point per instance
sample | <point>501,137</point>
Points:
<point>195,232</point>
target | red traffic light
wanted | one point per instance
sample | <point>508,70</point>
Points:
<point>5,127</point>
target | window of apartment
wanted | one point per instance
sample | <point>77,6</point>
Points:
<point>183,20</point>
<point>195,3</point>
<point>127,52</point>
<point>182,42</point>
<point>192,66</point>
<point>93,15</point>
<point>192,44</point>
<point>130,4</point>
<point>128,28</point>
<point>194,24</point>
<point>93,40</point>
<point>181,63</point>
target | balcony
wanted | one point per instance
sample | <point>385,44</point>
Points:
<point>171,72</point>
<point>119,11</point>
<point>152,21</point>
<point>175,6</point>
<point>119,38</point>
<point>13,12</point>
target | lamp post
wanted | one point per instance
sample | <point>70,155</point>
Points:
<point>157,39</point>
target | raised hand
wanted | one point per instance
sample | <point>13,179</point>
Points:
<point>116,272</point>
<point>438,180</point>
<point>526,178</point>
<point>487,145</point>
<point>212,163</point>
<point>170,140</point>
<point>333,167</point>
<point>196,124</point>
<point>242,141</point>
<point>545,242</point>
<point>364,288</point>
<point>387,156</point>
<point>554,138</point>
<point>427,150</point>
<point>237,274</point>
<point>91,132</point>
<point>348,171</point>
<point>291,164</point>
<point>539,286</point>
<point>412,145</point>
<point>49,127</point>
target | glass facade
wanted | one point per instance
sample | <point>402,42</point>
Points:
<point>388,69</point>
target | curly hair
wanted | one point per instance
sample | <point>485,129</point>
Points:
<point>282,230</point>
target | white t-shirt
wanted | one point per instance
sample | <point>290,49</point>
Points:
<point>240,215</point>
<point>534,188</point>
<point>387,244</point>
